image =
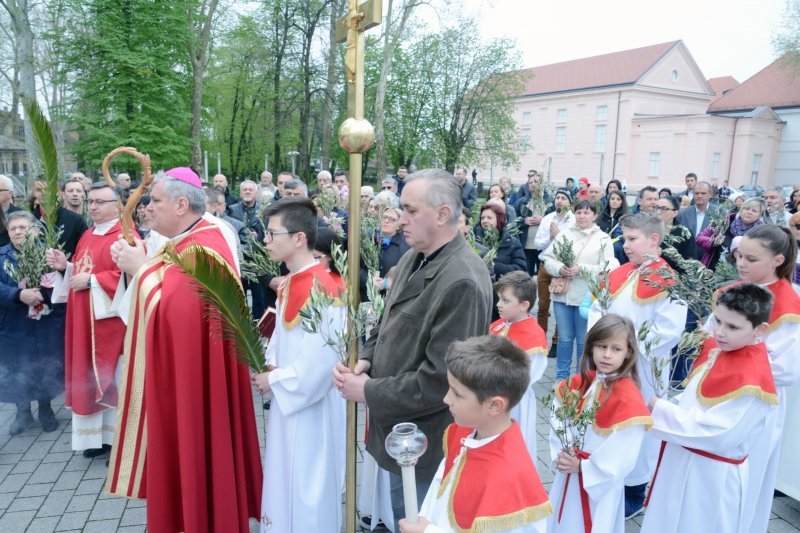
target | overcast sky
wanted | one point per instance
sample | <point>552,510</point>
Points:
<point>725,37</point>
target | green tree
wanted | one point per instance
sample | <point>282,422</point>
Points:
<point>132,79</point>
<point>787,39</point>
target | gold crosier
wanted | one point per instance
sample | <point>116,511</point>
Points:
<point>356,136</point>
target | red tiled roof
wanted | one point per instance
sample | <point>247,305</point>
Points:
<point>617,68</point>
<point>777,85</point>
<point>723,84</point>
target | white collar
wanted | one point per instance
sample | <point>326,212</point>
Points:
<point>105,227</point>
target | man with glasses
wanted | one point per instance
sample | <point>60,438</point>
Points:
<point>94,333</point>
<point>305,437</point>
<point>389,184</point>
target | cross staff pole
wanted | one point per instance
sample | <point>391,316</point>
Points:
<point>356,135</point>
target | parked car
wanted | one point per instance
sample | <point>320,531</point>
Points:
<point>751,190</point>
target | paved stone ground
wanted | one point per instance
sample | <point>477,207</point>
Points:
<point>45,486</point>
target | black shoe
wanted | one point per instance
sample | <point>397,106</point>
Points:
<point>366,523</point>
<point>97,452</point>
<point>552,353</point>
<point>48,419</point>
<point>22,422</point>
<point>266,405</point>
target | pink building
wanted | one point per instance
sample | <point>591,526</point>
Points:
<point>641,116</point>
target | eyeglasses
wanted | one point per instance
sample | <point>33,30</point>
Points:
<point>269,234</point>
<point>101,202</point>
<point>388,219</point>
<point>387,188</point>
<point>662,208</point>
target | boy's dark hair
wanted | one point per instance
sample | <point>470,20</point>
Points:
<point>490,366</point>
<point>749,300</point>
<point>648,223</point>
<point>298,214</point>
<point>521,285</point>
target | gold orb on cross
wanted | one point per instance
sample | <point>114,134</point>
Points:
<point>356,135</point>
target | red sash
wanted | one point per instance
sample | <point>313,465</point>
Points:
<point>587,511</point>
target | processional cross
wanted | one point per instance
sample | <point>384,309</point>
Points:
<point>356,136</point>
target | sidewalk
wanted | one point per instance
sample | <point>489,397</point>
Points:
<point>45,486</point>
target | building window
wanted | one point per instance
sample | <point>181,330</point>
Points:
<point>562,116</point>
<point>674,75</point>
<point>526,118</point>
<point>602,113</point>
<point>756,168</point>
<point>525,137</point>
<point>655,162</point>
<point>600,138</point>
<point>561,139</point>
<point>715,165</point>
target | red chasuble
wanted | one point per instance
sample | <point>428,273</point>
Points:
<point>643,293</point>
<point>742,372</point>
<point>186,436</point>
<point>785,303</point>
<point>621,405</point>
<point>295,292</point>
<point>92,347</point>
<point>497,487</point>
<point>525,333</point>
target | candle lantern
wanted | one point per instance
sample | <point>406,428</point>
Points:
<point>406,444</point>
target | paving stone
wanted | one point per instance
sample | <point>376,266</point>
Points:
<point>780,526</point>
<point>37,451</point>
<point>81,503</point>
<point>25,467</point>
<point>132,529</point>
<point>68,480</point>
<point>58,457</point>
<point>26,504</point>
<point>56,503</point>
<point>47,473</point>
<point>101,526</point>
<point>14,483</point>
<point>5,500</point>
<point>16,522</point>
<point>90,486</point>
<point>19,444</point>
<point>77,463</point>
<point>134,517</point>
<point>41,489</point>
<point>43,525</point>
<point>10,458</point>
<point>63,445</point>
<point>72,521</point>
<point>108,509</point>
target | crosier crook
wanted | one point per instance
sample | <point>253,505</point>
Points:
<point>126,218</point>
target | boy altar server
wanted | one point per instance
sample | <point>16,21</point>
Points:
<point>516,294</point>
<point>304,457</point>
<point>701,478</point>
<point>634,298</point>
<point>487,481</point>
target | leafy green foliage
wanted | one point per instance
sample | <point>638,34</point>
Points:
<point>570,418</point>
<point>564,252</point>
<point>31,264</point>
<point>219,288</point>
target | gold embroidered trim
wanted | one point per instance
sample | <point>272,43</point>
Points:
<point>746,390</point>
<point>537,351</point>
<point>646,421</point>
<point>93,431</point>
<point>644,301</point>
<point>787,318</point>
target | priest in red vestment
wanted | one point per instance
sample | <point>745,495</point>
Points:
<point>186,436</point>
<point>94,331</point>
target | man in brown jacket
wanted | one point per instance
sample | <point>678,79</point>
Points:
<point>441,293</point>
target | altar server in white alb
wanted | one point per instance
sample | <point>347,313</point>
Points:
<point>701,480</point>
<point>587,492</point>
<point>766,257</point>
<point>304,457</point>
<point>634,296</point>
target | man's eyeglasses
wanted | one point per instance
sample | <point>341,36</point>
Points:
<point>100,202</point>
<point>269,234</point>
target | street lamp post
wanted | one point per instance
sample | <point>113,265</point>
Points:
<point>293,154</point>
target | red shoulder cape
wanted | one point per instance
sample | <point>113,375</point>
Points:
<point>785,303</point>
<point>643,293</point>
<point>742,372</point>
<point>526,333</point>
<point>294,293</point>
<point>186,437</point>
<point>496,487</point>
<point>620,407</point>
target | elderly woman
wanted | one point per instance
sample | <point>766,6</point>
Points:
<point>393,245</point>
<point>717,245</point>
<point>32,360</point>
<point>496,192</point>
<point>592,250</point>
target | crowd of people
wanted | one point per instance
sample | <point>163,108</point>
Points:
<point>469,286</point>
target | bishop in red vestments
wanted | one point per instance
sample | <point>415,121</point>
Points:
<point>186,438</point>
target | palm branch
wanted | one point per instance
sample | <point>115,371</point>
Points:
<point>220,288</point>
<point>45,143</point>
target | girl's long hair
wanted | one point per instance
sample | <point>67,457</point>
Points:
<point>779,241</point>
<point>606,328</point>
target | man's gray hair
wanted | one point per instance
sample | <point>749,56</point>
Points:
<point>324,174</point>
<point>98,185</point>
<point>20,214</point>
<point>443,189</point>
<point>296,184</point>
<point>778,189</point>
<point>248,182</point>
<point>7,182</point>
<point>176,188</point>
<point>390,181</point>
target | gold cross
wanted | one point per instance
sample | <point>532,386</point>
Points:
<point>351,28</point>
